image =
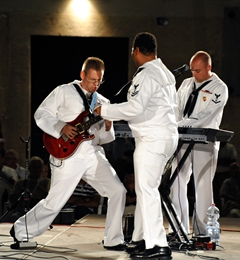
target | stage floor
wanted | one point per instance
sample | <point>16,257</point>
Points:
<point>83,240</point>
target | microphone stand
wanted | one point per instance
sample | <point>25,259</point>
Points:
<point>178,75</point>
<point>26,196</point>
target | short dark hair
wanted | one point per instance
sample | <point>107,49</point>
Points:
<point>93,63</point>
<point>146,42</point>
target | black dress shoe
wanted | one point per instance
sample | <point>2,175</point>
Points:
<point>119,247</point>
<point>157,252</point>
<point>134,242</point>
<point>136,247</point>
<point>12,233</point>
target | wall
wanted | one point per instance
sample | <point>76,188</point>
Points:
<point>192,25</point>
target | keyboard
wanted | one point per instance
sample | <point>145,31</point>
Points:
<point>185,134</point>
<point>204,134</point>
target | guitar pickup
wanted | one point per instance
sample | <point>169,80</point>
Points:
<point>80,128</point>
<point>64,137</point>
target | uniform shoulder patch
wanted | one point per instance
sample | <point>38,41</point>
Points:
<point>216,100</point>
<point>135,90</point>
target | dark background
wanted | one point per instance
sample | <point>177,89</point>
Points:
<point>58,60</point>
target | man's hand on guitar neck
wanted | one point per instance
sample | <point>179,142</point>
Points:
<point>69,131</point>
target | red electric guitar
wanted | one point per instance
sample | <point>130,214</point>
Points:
<point>63,147</point>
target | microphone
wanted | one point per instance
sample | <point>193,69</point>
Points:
<point>180,70</point>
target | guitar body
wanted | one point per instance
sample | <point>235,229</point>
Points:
<point>62,149</point>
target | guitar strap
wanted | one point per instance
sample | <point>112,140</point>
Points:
<point>84,98</point>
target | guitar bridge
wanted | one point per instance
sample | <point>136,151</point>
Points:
<point>80,128</point>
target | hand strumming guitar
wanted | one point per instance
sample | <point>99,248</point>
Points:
<point>70,131</point>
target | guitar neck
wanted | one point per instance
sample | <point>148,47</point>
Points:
<point>86,125</point>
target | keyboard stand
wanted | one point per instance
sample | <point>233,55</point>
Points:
<point>164,189</point>
<point>188,136</point>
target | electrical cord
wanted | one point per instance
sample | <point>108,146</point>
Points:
<point>68,250</point>
<point>40,250</point>
<point>202,256</point>
<point>187,252</point>
<point>10,256</point>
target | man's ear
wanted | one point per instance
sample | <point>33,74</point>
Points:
<point>209,67</point>
<point>137,50</point>
<point>82,74</point>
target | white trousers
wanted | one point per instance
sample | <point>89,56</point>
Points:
<point>202,163</point>
<point>150,157</point>
<point>96,171</point>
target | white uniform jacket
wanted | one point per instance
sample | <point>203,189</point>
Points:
<point>151,105</point>
<point>63,105</point>
<point>210,103</point>
<point>202,160</point>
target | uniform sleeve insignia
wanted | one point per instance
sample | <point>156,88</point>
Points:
<point>216,99</point>
<point>135,91</point>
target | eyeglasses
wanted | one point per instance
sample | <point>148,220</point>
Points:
<point>98,81</point>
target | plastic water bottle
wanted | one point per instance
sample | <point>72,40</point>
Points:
<point>213,227</point>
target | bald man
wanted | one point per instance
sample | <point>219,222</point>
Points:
<point>211,95</point>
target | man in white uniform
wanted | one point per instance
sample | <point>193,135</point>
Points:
<point>212,95</point>
<point>151,117</point>
<point>64,104</point>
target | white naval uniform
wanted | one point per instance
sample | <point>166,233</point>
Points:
<point>202,160</point>
<point>62,105</point>
<point>150,112</point>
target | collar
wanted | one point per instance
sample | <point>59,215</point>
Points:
<point>87,94</point>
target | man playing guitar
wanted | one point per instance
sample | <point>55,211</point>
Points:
<point>86,160</point>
